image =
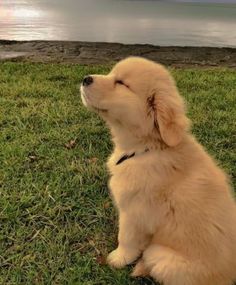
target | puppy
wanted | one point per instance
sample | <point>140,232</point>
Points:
<point>176,209</point>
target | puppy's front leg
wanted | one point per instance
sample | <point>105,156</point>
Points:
<point>131,243</point>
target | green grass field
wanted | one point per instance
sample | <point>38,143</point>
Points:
<point>56,216</point>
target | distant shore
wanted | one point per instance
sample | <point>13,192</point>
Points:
<point>105,53</point>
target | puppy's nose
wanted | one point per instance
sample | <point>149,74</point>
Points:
<point>87,80</point>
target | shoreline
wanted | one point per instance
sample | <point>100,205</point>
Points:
<point>95,53</point>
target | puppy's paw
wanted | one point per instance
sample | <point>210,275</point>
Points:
<point>140,270</point>
<point>118,258</point>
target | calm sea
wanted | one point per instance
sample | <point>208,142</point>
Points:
<point>184,23</point>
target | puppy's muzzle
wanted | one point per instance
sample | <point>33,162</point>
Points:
<point>88,80</point>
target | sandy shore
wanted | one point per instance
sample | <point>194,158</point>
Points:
<point>103,53</point>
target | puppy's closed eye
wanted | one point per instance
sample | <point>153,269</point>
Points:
<point>121,82</point>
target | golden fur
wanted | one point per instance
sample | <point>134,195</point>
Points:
<point>176,209</point>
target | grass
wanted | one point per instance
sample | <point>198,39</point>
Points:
<point>56,216</point>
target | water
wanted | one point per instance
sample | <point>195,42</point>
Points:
<point>181,23</point>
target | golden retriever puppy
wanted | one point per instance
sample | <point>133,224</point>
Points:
<point>176,209</point>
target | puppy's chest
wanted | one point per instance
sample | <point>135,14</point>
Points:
<point>131,197</point>
<point>128,182</point>
<point>125,186</point>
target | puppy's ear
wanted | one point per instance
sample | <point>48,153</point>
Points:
<point>169,117</point>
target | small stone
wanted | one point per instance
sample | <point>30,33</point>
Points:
<point>71,144</point>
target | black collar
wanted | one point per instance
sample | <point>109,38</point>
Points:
<point>127,156</point>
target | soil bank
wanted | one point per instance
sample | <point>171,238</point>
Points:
<point>106,53</point>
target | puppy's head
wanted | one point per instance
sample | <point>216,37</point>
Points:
<point>138,95</point>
